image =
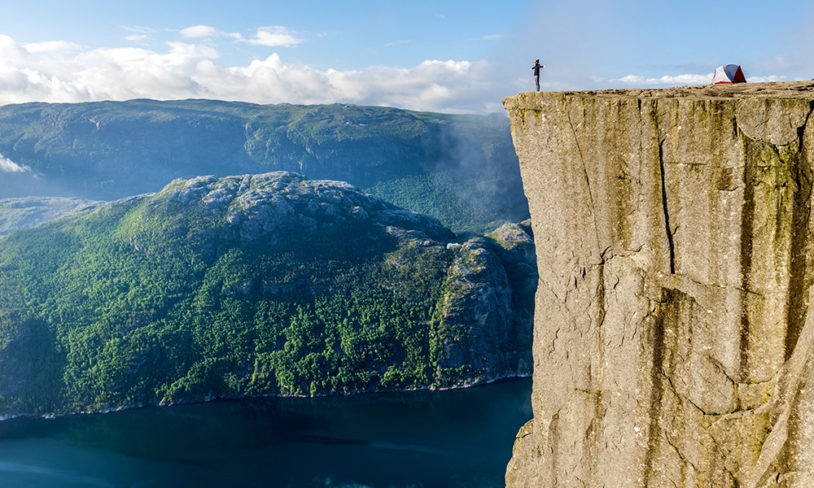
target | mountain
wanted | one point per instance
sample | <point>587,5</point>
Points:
<point>254,285</point>
<point>461,169</point>
<point>21,213</point>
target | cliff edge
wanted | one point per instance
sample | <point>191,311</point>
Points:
<point>673,339</point>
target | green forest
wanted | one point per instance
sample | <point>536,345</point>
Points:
<point>151,300</point>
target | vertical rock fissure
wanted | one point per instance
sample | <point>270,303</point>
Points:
<point>657,392</point>
<point>596,377</point>
<point>747,221</point>
<point>797,309</point>
<point>554,440</point>
<point>665,208</point>
<point>592,207</point>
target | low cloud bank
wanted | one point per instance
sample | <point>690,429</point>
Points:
<point>677,80</point>
<point>59,71</point>
<point>62,71</point>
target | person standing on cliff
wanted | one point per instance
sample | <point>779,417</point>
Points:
<point>536,69</point>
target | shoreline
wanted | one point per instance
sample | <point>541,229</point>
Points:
<point>103,411</point>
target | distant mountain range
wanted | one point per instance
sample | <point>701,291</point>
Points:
<point>250,285</point>
<point>25,212</point>
<point>461,169</point>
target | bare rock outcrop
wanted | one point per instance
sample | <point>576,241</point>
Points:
<point>673,334</point>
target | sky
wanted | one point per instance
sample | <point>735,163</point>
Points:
<point>442,55</point>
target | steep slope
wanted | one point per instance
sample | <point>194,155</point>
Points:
<point>673,334</point>
<point>109,150</point>
<point>248,285</point>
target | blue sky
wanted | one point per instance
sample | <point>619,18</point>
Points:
<point>450,56</point>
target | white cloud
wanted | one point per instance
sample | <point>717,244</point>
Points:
<point>492,37</point>
<point>667,80</point>
<point>9,48</point>
<point>275,36</point>
<point>766,79</point>
<point>676,80</point>
<point>9,166</point>
<point>51,46</point>
<point>137,33</point>
<point>190,70</point>
<point>199,31</point>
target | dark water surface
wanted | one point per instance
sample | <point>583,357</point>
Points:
<point>416,439</point>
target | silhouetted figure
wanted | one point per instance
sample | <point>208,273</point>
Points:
<point>536,69</point>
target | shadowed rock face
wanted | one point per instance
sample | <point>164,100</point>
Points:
<point>673,337</point>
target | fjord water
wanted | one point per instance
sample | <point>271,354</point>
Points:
<point>411,439</point>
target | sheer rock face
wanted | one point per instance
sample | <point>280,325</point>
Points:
<point>673,338</point>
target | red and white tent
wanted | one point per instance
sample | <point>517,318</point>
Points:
<point>731,73</point>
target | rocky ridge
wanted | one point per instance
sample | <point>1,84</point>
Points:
<point>286,209</point>
<point>673,333</point>
<point>224,287</point>
<point>277,208</point>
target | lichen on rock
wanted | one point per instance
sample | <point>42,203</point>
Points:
<point>673,335</point>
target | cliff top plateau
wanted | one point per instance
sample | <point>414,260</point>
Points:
<point>785,89</point>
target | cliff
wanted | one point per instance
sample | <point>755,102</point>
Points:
<point>672,332</point>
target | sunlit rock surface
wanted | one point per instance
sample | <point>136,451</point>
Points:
<point>673,336</point>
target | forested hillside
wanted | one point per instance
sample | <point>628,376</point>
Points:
<point>248,285</point>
